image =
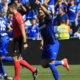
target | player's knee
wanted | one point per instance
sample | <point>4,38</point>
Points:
<point>15,58</point>
<point>1,58</point>
<point>52,62</point>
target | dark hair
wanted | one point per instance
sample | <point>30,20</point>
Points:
<point>13,5</point>
<point>62,9</point>
<point>63,21</point>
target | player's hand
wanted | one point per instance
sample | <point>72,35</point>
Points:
<point>38,3</point>
<point>25,46</point>
<point>41,47</point>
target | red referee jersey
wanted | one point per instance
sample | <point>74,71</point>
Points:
<point>17,21</point>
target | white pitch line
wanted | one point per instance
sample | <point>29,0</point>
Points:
<point>59,74</point>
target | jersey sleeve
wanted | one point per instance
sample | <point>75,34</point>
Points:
<point>19,19</point>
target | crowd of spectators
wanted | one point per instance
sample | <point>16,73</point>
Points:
<point>69,10</point>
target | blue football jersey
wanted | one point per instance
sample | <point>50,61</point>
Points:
<point>73,10</point>
<point>33,31</point>
<point>3,25</point>
<point>47,31</point>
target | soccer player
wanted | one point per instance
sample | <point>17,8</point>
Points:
<point>51,44</point>
<point>4,40</point>
<point>19,36</point>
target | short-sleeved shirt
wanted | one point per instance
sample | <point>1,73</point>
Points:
<point>63,17</point>
<point>73,10</point>
<point>17,21</point>
<point>33,31</point>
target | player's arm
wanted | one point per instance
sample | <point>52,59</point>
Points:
<point>65,2</point>
<point>41,45</point>
<point>44,9</point>
<point>21,27</point>
<point>20,21</point>
<point>38,35</point>
<point>76,17</point>
<point>9,28</point>
<point>68,22</point>
<point>23,7</point>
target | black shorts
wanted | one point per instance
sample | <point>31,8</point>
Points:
<point>17,45</point>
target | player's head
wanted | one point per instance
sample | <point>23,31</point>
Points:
<point>12,7</point>
<point>61,10</point>
<point>72,2</point>
<point>59,2</point>
<point>16,1</point>
<point>33,21</point>
<point>41,12</point>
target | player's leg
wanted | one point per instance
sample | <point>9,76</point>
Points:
<point>4,52</point>
<point>54,69</point>
<point>25,63</point>
<point>64,61</point>
<point>51,64</point>
<point>7,59</point>
<point>5,43</point>
<point>1,55</point>
<point>1,72</point>
<point>18,61</point>
<point>50,55</point>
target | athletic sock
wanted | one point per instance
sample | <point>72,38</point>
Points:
<point>2,67</point>
<point>8,59</point>
<point>17,69</point>
<point>59,63</point>
<point>27,65</point>
<point>54,71</point>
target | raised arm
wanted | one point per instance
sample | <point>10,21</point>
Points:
<point>43,9</point>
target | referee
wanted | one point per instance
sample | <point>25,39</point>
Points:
<point>19,36</point>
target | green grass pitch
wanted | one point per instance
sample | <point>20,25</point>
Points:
<point>45,74</point>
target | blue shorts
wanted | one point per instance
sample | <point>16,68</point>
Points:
<point>50,51</point>
<point>3,45</point>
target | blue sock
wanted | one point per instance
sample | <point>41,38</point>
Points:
<point>7,59</point>
<point>58,63</point>
<point>3,69</point>
<point>54,71</point>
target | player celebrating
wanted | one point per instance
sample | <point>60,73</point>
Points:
<point>51,44</point>
<point>19,36</point>
<point>4,40</point>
